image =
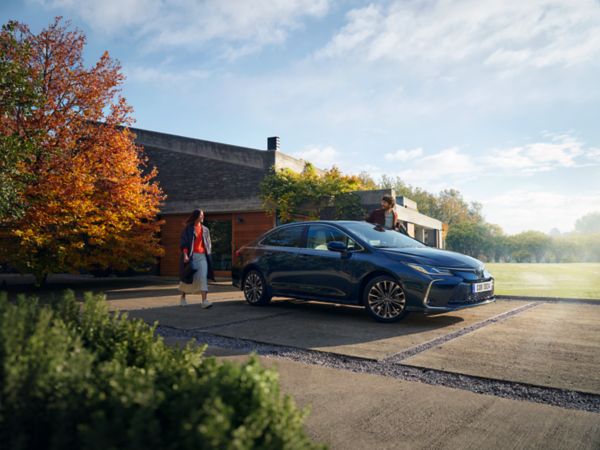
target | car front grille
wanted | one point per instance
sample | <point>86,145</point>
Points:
<point>463,295</point>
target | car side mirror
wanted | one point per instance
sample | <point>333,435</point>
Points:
<point>337,246</point>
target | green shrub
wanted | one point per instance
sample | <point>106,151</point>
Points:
<point>82,378</point>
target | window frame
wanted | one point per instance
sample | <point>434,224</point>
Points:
<point>303,230</point>
<point>326,225</point>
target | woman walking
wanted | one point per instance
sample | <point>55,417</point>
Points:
<point>195,250</point>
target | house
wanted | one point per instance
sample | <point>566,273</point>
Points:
<point>224,180</point>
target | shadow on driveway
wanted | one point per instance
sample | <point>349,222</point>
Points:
<point>338,329</point>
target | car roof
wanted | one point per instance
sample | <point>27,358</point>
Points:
<point>312,222</point>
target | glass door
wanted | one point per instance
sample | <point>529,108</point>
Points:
<point>220,235</point>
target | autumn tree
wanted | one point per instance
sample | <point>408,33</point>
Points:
<point>90,200</point>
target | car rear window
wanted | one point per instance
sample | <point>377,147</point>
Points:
<point>286,237</point>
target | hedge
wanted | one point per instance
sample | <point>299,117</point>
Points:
<point>77,377</point>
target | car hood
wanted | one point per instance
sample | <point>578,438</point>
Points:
<point>432,257</point>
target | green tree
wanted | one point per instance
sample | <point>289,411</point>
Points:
<point>426,201</point>
<point>530,246</point>
<point>293,195</point>
<point>20,95</point>
<point>471,238</point>
<point>367,180</point>
<point>453,209</point>
<point>449,206</point>
<point>588,224</point>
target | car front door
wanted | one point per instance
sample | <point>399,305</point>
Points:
<point>326,273</point>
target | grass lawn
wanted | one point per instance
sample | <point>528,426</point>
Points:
<point>576,280</point>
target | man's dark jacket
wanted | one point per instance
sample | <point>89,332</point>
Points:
<point>187,241</point>
<point>377,217</point>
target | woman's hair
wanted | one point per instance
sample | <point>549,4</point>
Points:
<point>388,198</point>
<point>193,217</point>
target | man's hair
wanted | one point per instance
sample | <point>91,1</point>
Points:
<point>388,198</point>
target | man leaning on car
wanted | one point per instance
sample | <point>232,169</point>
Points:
<point>386,216</point>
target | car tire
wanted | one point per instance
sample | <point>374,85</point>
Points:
<point>384,299</point>
<point>256,291</point>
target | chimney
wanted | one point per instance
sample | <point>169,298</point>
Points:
<point>273,143</point>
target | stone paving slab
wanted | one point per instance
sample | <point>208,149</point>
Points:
<point>556,345</point>
<point>363,411</point>
<point>190,317</point>
<point>350,331</point>
<point>163,298</point>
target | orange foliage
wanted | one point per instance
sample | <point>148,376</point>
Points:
<point>94,202</point>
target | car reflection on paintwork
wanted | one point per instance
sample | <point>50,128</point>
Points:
<point>357,263</point>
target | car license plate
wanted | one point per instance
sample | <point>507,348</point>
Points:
<point>483,287</point>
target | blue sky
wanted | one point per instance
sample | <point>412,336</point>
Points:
<point>499,99</point>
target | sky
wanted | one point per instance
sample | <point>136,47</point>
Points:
<point>499,99</point>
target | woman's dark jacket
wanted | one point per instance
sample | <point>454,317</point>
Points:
<point>187,241</point>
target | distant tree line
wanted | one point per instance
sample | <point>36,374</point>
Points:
<point>310,195</point>
<point>469,233</point>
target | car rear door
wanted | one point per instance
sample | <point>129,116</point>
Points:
<point>280,258</point>
<point>326,273</point>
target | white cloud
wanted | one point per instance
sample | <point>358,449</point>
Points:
<point>438,170</point>
<point>562,151</point>
<point>160,76</point>
<point>535,33</point>
<point>108,15</point>
<point>454,167</point>
<point>404,155</point>
<point>520,210</point>
<point>238,27</point>
<point>593,154</point>
<point>321,157</point>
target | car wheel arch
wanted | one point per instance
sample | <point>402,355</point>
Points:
<point>365,280</point>
<point>247,269</point>
<point>254,266</point>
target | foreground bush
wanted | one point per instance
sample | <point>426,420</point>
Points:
<point>76,378</point>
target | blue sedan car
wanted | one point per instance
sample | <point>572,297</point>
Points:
<point>359,263</point>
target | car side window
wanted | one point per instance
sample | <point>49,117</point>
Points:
<point>287,237</point>
<point>320,235</point>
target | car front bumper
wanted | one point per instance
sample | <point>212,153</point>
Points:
<point>444,295</point>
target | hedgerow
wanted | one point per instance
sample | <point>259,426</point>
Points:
<point>76,377</point>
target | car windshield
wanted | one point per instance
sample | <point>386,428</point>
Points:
<point>379,237</point>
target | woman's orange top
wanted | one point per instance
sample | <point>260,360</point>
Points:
<point>198,241</point>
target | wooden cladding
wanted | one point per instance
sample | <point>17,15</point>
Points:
<point>246,226</point>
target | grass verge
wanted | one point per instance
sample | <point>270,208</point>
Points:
<point>575,280</point>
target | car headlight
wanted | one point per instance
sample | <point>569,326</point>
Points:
<point>429,270</point>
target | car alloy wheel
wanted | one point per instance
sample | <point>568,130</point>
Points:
<point>385,299</point>
<point>255,289</point>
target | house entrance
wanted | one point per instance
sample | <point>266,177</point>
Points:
<point>220,235</point>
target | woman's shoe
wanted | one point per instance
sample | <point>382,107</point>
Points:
<point>182,300</point>
<point>206,304</point>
